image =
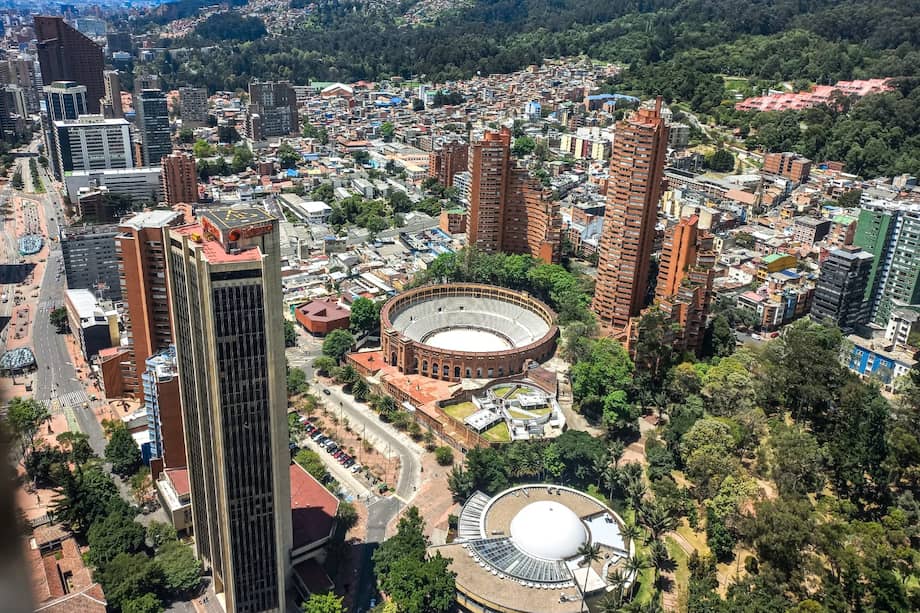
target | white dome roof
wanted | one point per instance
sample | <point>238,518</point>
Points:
<point>549,530</point>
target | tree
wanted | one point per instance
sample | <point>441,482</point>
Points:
<point>25,416</point>
<point>324,364</point>
<point>780,530</point>
<point>719,340</point>
<point>387,130</point>
<point>128,577</point>
<point>296,381</point>
<point>460,483</point>
<point>797,461</point>
<point>523,146</point>
<point>86,497</point>
<point>122,451</point>
<point>444,455</point>
<point>115,534</point>
<point>346,516</point>
<point>242,159</point>
<point>60,321</point>
<point>287,156</point>
<point>148,603</point>
<point>290,334</point>
<point>337,344</point>
<point>186,136</point>
<point>323,603</point>
<point>707,452</point>
<point>311,462</point>
<point>181,570</point>
<point>729,387</point>
<point>44,464</point>
<point>721,160</point>
<point>202,149</point>
<point>365,315</point>
<point>77,447</point>
<point>159,533</point>
<point>589,553</point>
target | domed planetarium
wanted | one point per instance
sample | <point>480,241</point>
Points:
<point>519,550</point>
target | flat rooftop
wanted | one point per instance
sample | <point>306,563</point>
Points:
<point>227,219</point>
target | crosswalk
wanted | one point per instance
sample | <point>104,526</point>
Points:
<point>70,400</point>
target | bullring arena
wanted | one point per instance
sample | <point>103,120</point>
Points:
<point>466,330</point>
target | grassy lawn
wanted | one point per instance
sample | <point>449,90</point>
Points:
<point>498,433</point>
<point>501,390</point>
<point>696,539</point>
<point>519,414</point>
<point>461,410</point>
<point>682,572</point>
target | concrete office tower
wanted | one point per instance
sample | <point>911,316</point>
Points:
<point>111,104</point>
<point>92,143</point>
<point>509,210</point>
<point>153,124</point>
<point>272,110</point>
<point>193,105</point>
<point>633,191</point>
<point>91,260</point>
<point>685,277</point>
<point>63,100</point>
<point>890,231</point>
<point>67,55</point>
<point>142,272</point>
<point>225,288</point>
<point>180,179</point>
<point>840,294</point>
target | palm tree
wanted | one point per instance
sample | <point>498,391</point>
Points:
<point>657,519</point>
<point>589,552</point>
<point>631,532</point>
<point>615,450</point>
<point>613,602</point>
<point>635,565</point>
<point>659,556</point>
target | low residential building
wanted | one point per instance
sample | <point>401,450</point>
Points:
<point>453,221</point>
<point>876,359</point>
<point>789,165</point>
<point>810,230</point>
<point>176,497</point>
<point>61,582</point>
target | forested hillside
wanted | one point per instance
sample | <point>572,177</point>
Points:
<point>700,52</point>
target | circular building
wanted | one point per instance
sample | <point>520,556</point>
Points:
<point>520,550</point>
<point>466,330</point>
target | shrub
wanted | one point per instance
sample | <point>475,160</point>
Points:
<point>444,455</point>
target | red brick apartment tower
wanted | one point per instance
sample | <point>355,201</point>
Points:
<point>489,166</point>
<point>180,179</point>
<point>633,191</point>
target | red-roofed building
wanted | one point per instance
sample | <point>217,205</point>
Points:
<point>61,583</point>
<point>313,510</point>
<point>176,497</point>
<point>320,317</point>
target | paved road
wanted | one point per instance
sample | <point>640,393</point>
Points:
<point>381,512</point>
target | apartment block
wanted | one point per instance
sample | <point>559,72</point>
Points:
<point>789,165</point>
<point>193,105</point>
<point>633,191</point>
<point>840,294</point>
<point>180,179</point>
<point>91,260</point>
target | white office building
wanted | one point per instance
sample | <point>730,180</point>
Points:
<point>92,142</point>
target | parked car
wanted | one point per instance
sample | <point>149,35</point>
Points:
<point>355,468</point>
<point>349,463</point>
<point>326,391</point>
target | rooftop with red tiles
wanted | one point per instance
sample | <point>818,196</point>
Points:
<point>179,479</point>
<point>313,508</point>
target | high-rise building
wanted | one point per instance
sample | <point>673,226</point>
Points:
<point>447,161</point>
<point>164,412</point>
<point>92,143</point>
<point>225,288</point>
<point>890,231</point>
<point>21,70</point>
<point>14,116</point>
<point>193,105</point>
<point>67,55</point>
<point>840,294</point>
<point>180,179</point>
<point>509,210</point>
<point>633,191</point>
<point>63,100</point>
<point>111,103</point>
<point>91,260</point>
<point>142,272</point>
<point>272,110</point>
<point>153,124</point>
<point>685,276</point>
